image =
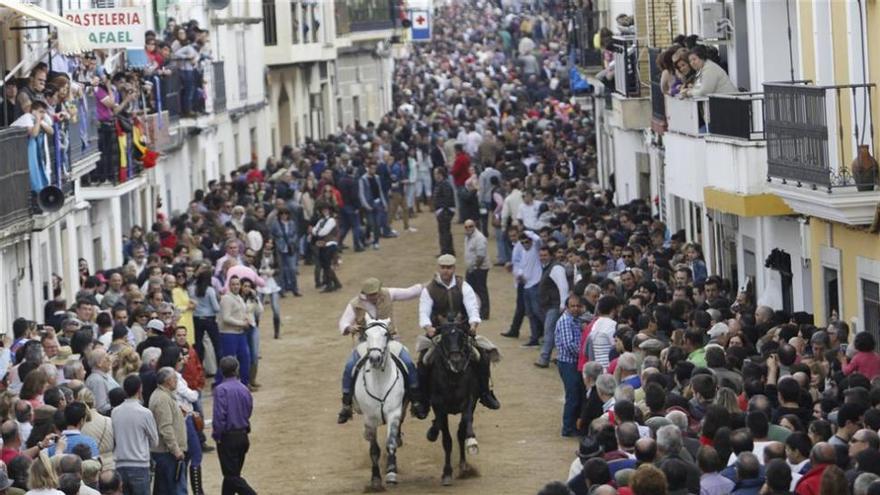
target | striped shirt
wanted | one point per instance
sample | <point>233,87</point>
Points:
<point>602,340</point>
<point>568,337</point>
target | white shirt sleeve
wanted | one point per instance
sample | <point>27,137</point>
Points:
<point>471,303</point>
<point>425,306</point>
<point>557,274</point>
<point>346,319</point>
<point>328,227</point>
<point>411,292</point>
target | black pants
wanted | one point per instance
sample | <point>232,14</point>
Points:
<point>444,229</point>
<point>108,144</point>
<point>477,279</point>
<point>519,313</point>
<point>231,449</point>
<point>207,326</point>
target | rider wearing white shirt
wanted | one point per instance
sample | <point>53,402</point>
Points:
<point>377,302</point>
<point>447,296</point>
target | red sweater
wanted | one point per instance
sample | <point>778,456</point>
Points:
<point>809,484</point>
<point>461,169</point>
<point>582,356</point>
<point>866,363</point>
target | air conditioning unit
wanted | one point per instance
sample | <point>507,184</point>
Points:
<point>711,21</point>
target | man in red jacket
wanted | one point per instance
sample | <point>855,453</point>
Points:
<point>822,456</point>
<point>460,172</point>
<point>461,167</point>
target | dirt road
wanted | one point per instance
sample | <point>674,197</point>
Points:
<point>296,445</point>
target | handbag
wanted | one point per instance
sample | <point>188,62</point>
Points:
<point>125,122</point>
<point>198,422</point>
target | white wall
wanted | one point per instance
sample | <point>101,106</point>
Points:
<point>686,164</point>
<point>770,233</point>
<point>626,175</point>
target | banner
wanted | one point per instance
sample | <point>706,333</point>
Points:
<point>118,27</point>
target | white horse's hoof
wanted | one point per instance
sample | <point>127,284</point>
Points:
<point>446,480</point>
<point>391,478</point>
<point>473,448</point>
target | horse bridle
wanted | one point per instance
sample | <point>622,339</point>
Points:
<point>380,400</point>
<point>465,352</point>
<point>383,351</point>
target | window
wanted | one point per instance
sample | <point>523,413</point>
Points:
<point>242,67</point>
<point>270,28</point>
<point>367,15</point>
<point>295,15</point>
<point>871,306</point>
<point>832,295</point>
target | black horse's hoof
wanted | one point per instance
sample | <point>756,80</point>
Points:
<point>433,433</point>
<point>446,480</point>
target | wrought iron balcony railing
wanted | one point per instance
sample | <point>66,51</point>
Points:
<point>737,115</point>
<point>14,177</point>
<point>804,127</point>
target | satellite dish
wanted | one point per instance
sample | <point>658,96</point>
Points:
<point>218,4</point>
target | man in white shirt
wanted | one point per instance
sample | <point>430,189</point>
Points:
<point>601,339</point>
<point>529,211</point>
<point>527,271</point>
<point>448,296</point>
<point>377,302</point>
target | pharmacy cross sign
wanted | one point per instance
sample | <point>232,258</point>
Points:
<point>421,26</point>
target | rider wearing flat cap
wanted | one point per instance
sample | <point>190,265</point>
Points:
<point>449,295</point>
<point>377,302</point>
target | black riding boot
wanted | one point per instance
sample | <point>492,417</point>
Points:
<point>487,397</point>
<point>195,480</point>
<point>345,413</point>
<point>417,407</point>
<point>276,322</point>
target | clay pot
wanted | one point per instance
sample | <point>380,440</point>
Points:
<point>864,169</point>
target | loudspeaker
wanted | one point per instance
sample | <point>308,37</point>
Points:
<point>50,198</point>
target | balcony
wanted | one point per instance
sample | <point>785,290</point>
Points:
<point>812,132</point>
<point>626,66</point>
<point>685,115</point>
<point>15,198</point>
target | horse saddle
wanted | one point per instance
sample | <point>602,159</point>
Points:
<point>394,350</point>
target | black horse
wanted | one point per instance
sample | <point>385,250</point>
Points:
<point>454,389</point>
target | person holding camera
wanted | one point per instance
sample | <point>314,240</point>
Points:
<point>113,97</point>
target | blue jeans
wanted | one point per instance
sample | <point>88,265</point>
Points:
<point>166,470</point>
<point>533,311</point>
<point>289,270</point>
<point>348,381</point>
<point>550,318</point>
<point>193,443</point>
<point>374,217</point>
<point>574,392</point>
<point>236,344</point>
<point>253,339</point>
<point>135,480</point>
<point>503,245</point>
<point>350,221</point>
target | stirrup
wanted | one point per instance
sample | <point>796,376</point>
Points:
<point>418,409</point>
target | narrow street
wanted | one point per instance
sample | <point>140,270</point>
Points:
<point>296,445</point>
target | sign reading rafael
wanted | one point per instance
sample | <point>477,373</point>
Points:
<point>121,27</point>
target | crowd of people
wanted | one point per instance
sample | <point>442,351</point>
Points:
<point>56,96</point>
<point>675,381</point>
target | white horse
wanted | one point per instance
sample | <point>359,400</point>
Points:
<point>379,394</point>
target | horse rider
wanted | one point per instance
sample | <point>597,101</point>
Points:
<point>449,295</point>
<point>378,302</point>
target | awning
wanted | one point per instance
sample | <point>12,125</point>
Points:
<point>136,58</point>
<point>71,37</point>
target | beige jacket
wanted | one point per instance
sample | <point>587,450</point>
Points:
<point>169,422</point>
<point>233,314</point>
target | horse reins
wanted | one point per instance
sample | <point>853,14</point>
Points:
<point>384,358</point>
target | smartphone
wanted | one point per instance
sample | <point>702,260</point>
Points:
<point>843,348</point>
